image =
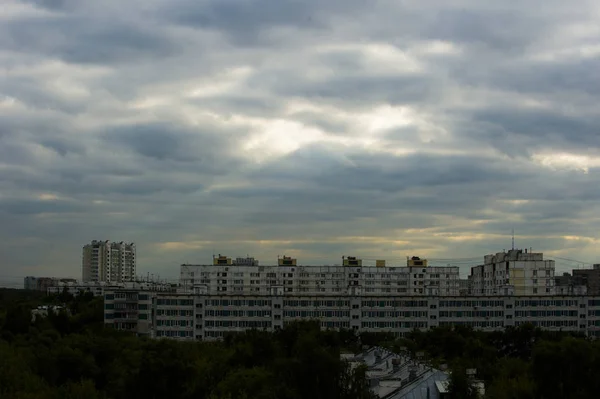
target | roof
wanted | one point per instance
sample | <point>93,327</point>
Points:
<point>407,379</point>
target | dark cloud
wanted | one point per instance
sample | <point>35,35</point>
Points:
<point>532,129</point>
<point>357,90</point>
<point>97,40</point>
<point>311,128</point>
<point>51,4</point>
<point>34,207</point>
<point>246,22</point>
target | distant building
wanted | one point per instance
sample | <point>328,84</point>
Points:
<point>98,288</point>
<point>464,286</point>
<point>515,272</point>
<point>570,285</point>
<point>42,283</point>
<point>110,262</point>
<point>591,278</point>
<point>319,280</point>
<point>30,283</point>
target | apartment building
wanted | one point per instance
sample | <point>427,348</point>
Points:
<point>515,272</point>
<point>130,310</point>
<point>225,278</point>
<point>107,261</point>
<point>174,316</point>
<point>210,317</point>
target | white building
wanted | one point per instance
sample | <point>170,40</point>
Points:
<point>229,279</point>
<point>515,272</point>
<point>97,288</point>
<point>210,317</point>
<point>107,261</point>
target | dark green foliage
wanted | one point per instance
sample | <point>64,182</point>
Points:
<point>70,355</point>
<point>459,385</point>
<point>518,363</point>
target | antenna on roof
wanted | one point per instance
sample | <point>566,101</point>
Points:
<point>513,238</point>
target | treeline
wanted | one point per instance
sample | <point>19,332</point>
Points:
<point>71,356</point>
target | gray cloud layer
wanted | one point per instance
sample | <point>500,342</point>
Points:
<point>313,128</point>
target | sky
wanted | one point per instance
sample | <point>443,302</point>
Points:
<point>313,129</point>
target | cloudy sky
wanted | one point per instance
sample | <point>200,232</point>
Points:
<point>313,128</point>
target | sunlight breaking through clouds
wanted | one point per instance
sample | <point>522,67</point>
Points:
<point>318,129</point>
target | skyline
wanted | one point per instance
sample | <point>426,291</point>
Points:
<point>464,265</point>
<point>300,128</point>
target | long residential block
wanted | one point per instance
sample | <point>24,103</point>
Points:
<point>320,280</point>
<point>190,316</point>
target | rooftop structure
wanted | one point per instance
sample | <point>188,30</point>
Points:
<point>415,261</point>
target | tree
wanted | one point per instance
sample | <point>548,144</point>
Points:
<point>459,384</point>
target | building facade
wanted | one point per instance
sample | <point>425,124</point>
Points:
<point>591,278</point>
<point>130,310</point>
<point>110,262</point>
<point>515,272</point>
<point>570,285</point>
<point>317,280</point>
<point>209,317</point>
<point>98,288</point>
